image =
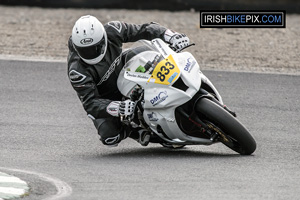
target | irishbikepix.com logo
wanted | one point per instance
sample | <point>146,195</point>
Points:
<point>242,19</point>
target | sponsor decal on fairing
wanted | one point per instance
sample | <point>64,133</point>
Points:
<point>189,65</point>
<point>172,77</point>
<point>152,117</point>
<point>162,96</point>
<point>137,75</point>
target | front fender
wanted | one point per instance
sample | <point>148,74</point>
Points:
<point>207,85</point>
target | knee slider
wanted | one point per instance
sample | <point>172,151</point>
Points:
<point>113,141</point>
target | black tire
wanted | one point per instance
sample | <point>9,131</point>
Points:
<point>241,140</point>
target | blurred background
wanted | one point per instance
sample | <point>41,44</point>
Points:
<point>40,29</point>
<point>174,5</point>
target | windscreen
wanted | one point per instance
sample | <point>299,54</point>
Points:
<point>142,57</point>
<point>139,47</point>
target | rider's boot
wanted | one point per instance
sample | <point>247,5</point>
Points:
<point>142,136</point>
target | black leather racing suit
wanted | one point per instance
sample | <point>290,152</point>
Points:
<point>96,85</point>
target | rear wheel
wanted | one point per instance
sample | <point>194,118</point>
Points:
<point>230,131</point>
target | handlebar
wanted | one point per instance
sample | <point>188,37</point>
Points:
<point>179,50</point>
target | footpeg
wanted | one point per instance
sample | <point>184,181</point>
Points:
<point>214,136</point>
<point>144,137</point>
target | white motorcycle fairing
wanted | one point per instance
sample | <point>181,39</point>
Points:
<point>174,80</point>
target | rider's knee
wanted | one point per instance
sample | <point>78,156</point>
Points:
<point>111,141</point>
<point>110,130</point>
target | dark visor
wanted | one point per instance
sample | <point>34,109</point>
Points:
<point>91,52</point>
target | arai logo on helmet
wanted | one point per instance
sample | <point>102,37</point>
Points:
<point>86,41</point>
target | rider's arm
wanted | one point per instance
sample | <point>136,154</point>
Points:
<point>83,83</point>
<point>82,79</point>
<point>122,32</point>
<point>125,32</point>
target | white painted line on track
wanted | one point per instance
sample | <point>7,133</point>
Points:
<point>11,179</point>
<point>63,189</point>
<point>12,191</point>
<point>12,187</point>
<point>33,59</point>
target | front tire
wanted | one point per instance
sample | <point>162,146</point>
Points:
<point>238,137</point>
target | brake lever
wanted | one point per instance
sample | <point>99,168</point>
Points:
<point>179,50</point>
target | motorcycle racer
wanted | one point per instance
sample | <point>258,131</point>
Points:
<point>94,62</point>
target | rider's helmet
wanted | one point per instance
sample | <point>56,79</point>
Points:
<point>89,39</point>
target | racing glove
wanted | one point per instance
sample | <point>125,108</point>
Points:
<point>177,40</point>
<point>121,108</point>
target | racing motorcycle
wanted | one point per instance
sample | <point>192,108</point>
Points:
<point>176,102</point>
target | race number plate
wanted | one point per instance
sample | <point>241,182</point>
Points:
<point>165,72</point>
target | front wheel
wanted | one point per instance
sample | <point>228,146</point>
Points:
<point>230,131</point>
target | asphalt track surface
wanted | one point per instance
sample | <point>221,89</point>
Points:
<point>47,139</point>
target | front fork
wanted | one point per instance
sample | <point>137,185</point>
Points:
<point>204,94</point>
<point>204,128</point>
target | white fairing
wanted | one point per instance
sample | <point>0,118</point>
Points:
<point>162,97</point>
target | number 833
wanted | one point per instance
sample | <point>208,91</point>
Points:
<point>164,71</point>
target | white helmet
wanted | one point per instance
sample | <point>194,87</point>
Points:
<point>89,39</point>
